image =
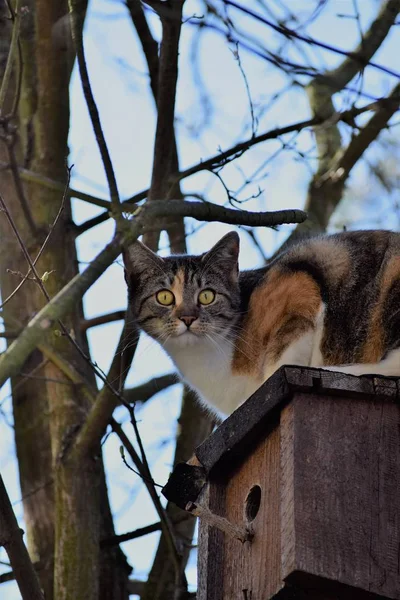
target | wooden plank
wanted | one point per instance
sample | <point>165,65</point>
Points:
<point>250,420</point>
<point>211,550</point>
<point>288,546</point>
<point>252,569</point>
<point>346,473</point>
<point>245,424</point>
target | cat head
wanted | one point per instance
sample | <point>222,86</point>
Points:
<point>181,299</point>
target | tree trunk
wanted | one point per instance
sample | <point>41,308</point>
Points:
<point>48,405</point>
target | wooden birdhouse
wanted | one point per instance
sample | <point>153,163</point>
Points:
<point>298,492</point>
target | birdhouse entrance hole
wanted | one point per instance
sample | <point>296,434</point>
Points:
<point>253,502</point>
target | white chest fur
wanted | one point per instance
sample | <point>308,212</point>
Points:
<point>205,366</point>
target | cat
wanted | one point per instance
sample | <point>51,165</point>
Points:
<point>331,302</point>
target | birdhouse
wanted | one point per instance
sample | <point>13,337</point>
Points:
<point>298,492</point>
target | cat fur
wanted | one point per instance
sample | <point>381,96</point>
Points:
<point>331,302</point>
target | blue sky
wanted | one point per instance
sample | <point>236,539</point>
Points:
<point>120,83</point>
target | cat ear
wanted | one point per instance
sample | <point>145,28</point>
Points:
<point>138,258</point>
<point>225,253</point>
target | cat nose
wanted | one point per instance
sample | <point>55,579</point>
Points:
<point>188,320</point>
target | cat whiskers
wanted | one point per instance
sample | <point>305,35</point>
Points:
<point>218,347</point>
<point>217,332</point>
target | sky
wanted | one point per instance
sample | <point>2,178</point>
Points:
<point>119,80</point>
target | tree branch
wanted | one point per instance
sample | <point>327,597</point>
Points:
<point>175,230</point>
<point>194,426</point>
<point>12,360</point>
<point>101,412</point>
<point>325,192</point>
<point>11,539</point>
<point>37,178</point>
<point>142,393</point>
<point>205,211</point>
<point>130,535</point>
<point>164,145</point>
<point>360,142</point>
<point>43,246</point>
<point>356,60</point>
<point>16,17</point>
<point>77,13</point>
<point>372,40</point>
<point>222,158</point>
<point>118,315</point>
<point>165,522</point>
<point>149,44</point>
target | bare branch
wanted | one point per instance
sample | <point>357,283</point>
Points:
<point>77,13</point>
<point>175,230</point>
<point>325,191</point>
<point>135,587</point>
<point>118,315</point>
<point>11,539</point>
<point>361,57</point>
<point>149,44</point>
<point>164,144</point>
<point>360,142</point>
<point>194,428</point>
<point>166,525</point>
<point>16,17</point>
<point>12,360</point>
<point>37,178</point>
<point>142,393</point>
<point>205,211</point>
<point>354,61</point>
<point>107,399</point>
<point>39,254</point>
<point>130,535</point>
<point>222,158</point>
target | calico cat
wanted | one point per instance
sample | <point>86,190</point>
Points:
<point>330,301</point>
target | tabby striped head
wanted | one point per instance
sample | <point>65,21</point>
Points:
<point>180,299</point>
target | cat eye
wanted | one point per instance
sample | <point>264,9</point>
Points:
<point>165,297</point>
<point>206,297</point>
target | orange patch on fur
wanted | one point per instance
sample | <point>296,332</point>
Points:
<point>374,348</point>
<point>177,287</point>
<point>281,309</point>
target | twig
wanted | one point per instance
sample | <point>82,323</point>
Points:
<point>102,320</point>
<point>11,539</point>
<point>236,55</point>
<point>205,211</point>
<point>58,215</point>
<point>220,159</point>
<point>13,359</point>
<point>16,17</point>
<point>149,44</point>
<point>18,185</point>
<point>110,395</point>
<point>39,281</point>
<point>243,534</point>
<point>142,393</point>
<point>164,144</point>
<point>47,182</point>
<point>166,525</point>
<point>360,57</point>
<point>136,587</point>
<point>347,159</point>
<point>8,335</point>
<point>77,22</point>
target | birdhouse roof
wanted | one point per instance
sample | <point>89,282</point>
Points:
<point>255,418</point>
